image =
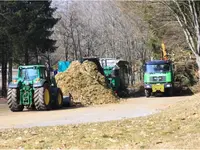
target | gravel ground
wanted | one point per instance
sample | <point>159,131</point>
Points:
<point>130,108</point>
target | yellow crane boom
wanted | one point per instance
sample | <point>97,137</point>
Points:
<point>164,52</point>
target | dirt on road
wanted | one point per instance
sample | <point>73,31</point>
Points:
<point>130,108</point>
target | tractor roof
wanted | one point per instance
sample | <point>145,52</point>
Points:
<point>157,62</point>
<point>32,66</point>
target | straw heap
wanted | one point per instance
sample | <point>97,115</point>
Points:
<point>86,84</point>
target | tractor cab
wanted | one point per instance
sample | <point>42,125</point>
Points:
<point>32,73</point>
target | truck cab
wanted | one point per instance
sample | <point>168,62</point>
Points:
<point>158,77</point>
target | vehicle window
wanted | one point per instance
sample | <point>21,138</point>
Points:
<point>42,75</point>
<point>29,73</point>
<point>157,68</point>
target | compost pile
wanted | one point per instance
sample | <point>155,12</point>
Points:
<point>86,84</point>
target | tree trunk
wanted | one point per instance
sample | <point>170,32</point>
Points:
<point>66,47</point>
<point>4,75</point>
<point>37,57</point>
<point>66,53</point>
<point>88,52</point>
<point>198,64</point>
<point>79,44</point>
<point>74,44</point>
<point>4,59</point>
<point>26,57</point>
<point>10,70</point>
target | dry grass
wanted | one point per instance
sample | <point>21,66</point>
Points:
<point>196,88</point>
<point>176,127</point>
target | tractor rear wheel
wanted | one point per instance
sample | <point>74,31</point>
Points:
<point>59,101</point>
<point>42,99</point>
<point>13,100</point>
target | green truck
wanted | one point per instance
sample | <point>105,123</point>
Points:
<point>158,77</point>
<point>116,72</point>
<point>34,88</point>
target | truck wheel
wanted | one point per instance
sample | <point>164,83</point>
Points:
<point>42,98</point>
<point>169,92</point>
<point>147,93</point>
<point>59,101</point>
<point>13,100</point>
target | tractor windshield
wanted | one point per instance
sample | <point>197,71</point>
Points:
<point>29,73</point>
<point>157,68</point>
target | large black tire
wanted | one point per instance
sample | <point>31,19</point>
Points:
<point>13,99</point>
<point>169,92</point>
<point>56,98</point>
<point>68,101</point>
<point>59,100</point>
<point>147,93</point>
<point>40,96</point>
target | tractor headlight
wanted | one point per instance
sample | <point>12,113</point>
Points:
<point>37,80</point>
<point>14,81</point>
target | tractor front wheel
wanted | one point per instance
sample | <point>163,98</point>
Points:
<point>13,100</point>
<point>42,99</point>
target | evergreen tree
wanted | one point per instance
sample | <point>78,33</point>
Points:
<point>25,30</point>
<point>34,21</point>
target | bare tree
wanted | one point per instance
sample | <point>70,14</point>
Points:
<point>101,28</point>
<point>188,17</point>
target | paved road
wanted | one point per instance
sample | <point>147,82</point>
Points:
<point>133,107</point>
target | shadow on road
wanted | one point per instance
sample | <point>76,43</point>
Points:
<point>66,105</point>
<point>183,91</point>
<point>55,109</point>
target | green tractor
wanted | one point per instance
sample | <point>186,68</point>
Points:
<point>158,77</point>
<point>34,89</point>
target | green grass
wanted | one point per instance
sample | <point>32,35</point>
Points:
<point>176,127</point>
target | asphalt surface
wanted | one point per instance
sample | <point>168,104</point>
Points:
<point>130,108</point>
